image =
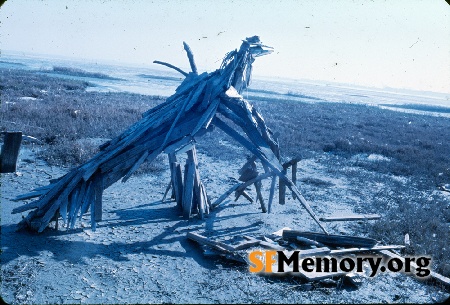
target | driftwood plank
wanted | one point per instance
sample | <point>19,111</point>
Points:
<point>87,199</point>
<point>179,185</point>
<point>350,217</point>
<point>170,66</point>
<point>331,239</point>
<point>271,193</point>
<point>63,209</point>
<point>206,119</point>
<point>194,99</point>
<point>246,244</point>
<point>30,195</point>
<point>282,189</point>
<point>313,252</point>
<point>73,205</point>
<point>308,242</point>
<point>97,207</point>
<point>205,196</point>
<point>258,186</point>
<point>47,196</point>
<point>188,187</point>
<point>243,193</point>
<point>374,248</point>
<point>168,188</point>
<point>176,179</point>
<point>190,56</point>
<point>119,159</point>
<point>239,186</point>
<point>139,162</point>
<point>173,148</point>
<point>51,211</point>
<point>209,242</point>
<point>265,244</point>
<point>294,178</point>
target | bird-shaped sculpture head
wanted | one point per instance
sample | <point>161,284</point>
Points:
<point>238,64</point>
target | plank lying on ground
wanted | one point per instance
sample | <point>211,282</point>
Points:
<point>436,276</point>
<point>265,244</point>
<point>374,248</point>
<point>313,252</point>
<point>278,233</point>
<point>331,239</point>
<point>350,217</point>
<point>209,242</point>
<point>309,242</point>
<point>246,244</point>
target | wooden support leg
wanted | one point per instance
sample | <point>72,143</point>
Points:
<point>10,152</point>
<point>245,194</point>
<point>176,178</point>
<point>294,177</point>
<point>98,194</point>
<point>179,183</point>
<point>168,188</point>
<point>272,191</point>
<point>258,186</point>
<point>282,189</point>
<point>189,180</point>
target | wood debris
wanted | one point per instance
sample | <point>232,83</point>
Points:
<point>337,246</point>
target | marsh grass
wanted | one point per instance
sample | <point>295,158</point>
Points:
<point>417,144</point>
<point>61,114</point>
<point>71,123</point>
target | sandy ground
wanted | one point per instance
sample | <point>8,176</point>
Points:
<point>140,254</point>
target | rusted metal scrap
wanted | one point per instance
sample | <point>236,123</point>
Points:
<point>201,102</point>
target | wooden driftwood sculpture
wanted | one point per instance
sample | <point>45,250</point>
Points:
<point>199,103</point>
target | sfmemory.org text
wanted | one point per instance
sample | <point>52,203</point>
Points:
<point>291,261</point>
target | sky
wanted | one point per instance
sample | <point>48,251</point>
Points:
<point>397,44</point>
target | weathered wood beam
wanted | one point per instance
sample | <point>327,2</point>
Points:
<point>170,66</point>
<point>188,190</point>
<point>258,186</point>
<point>282,189</point>
<point>239,186</point>
<point>222,247</point>
<point>271,193</point>
<point>350,217</point>
<point>332,239</point>
<point>190,56</point>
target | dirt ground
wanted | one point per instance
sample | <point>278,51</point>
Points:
<point>140,254</point>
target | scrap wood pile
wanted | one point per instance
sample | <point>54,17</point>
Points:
<point>308,244</point>
<point>200,103</point>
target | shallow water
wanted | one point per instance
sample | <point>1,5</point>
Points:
<point>163,81</point>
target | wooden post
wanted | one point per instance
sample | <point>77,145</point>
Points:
<point>98,202</point>
<point>189,180</point>
<point>10,151</point>
<point>258,186</point>
<point>294,177</point>
<point>176,177</point>
<point>272,191</point>
<point>282,189</point>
